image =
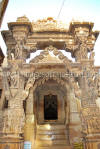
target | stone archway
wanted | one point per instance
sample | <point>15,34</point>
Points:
<point>51,87</point>
<point>41,88</point>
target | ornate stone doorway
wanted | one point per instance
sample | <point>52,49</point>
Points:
<point>50,99</point>
<point>50,107</point>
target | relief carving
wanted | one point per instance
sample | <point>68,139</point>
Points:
<point>91,120</point>
<point>14,116</point>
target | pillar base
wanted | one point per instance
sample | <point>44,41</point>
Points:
<point>29,129</point>
<point>92,142</point>
<point>11,143</point>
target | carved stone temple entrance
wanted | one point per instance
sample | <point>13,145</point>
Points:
<point>50,101</point>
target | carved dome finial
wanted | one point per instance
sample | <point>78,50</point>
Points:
<point>22,19</point>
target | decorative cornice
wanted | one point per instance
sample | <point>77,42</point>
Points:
<point>49,24</point>
<point>78,38</point>
<point>77,24</point>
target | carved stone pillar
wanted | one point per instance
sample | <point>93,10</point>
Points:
<point>1,112</point>
<point>29,131</point>
<point>14,118</point>
<point>13,122</point>
<point>91,126</point>
<point>75,121</point>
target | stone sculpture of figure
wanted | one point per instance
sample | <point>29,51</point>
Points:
<point>77,90</point>
<point>92,54</point>
<point>14,81</point>
<point>18,50</point>
<point>12,56</point>
<point>83,50</point>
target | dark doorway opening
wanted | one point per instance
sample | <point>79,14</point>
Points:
<point>6,104</point>
<point>0,92</point>
<point>50,107</point>
<point>24,106</point>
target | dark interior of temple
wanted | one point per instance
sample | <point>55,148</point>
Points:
<point>50,107</point>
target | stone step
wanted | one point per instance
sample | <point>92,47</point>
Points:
<point>54,147</point>
<point>51,127</point>
<point>52,132</point>
<point>51,143</point>
<point>51,137</point>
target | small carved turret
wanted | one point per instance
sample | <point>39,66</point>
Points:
<point>84,38</point>
<point>20,31</point>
